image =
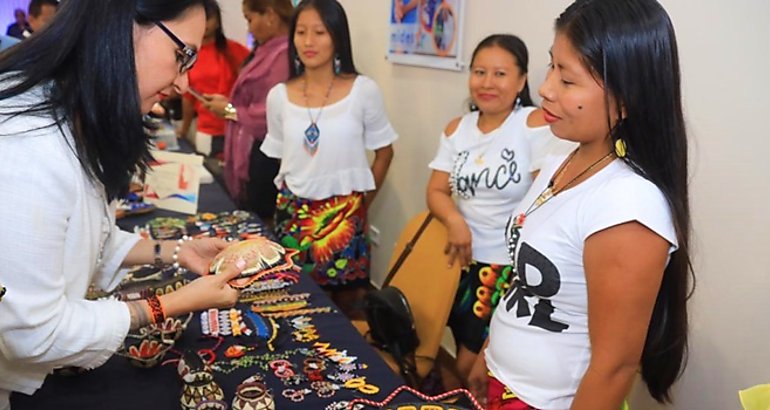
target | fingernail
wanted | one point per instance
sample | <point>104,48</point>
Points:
<point>240,264</point>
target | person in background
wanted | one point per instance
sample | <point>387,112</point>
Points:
<point>219,60</point>
<point>41,12</point>
<point>600,243</point>
<point>68,148</point>
<point>320,124</point>
<point>249,173</point>
<point>17,28</point>
<point>485,163</point>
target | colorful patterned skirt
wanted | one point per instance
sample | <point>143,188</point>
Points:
<point>482,285</point>
<point>330,235</point>
<point>500,397</point>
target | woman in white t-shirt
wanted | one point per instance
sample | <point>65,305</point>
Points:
<point>486,161</point>
<point>600,242</point>
<point>320,124</point>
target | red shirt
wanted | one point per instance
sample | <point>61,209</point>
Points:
<point>215,73</point>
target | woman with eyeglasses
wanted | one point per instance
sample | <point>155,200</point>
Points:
<point>71,137</point>
<point>248,172</point>
<point>219,61</point>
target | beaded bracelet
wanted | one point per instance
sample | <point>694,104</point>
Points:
<point>296,395</point>
<point>177,249</point>
<point>360,384</point>
<point>299,312</point>
<point>324,389</point>
<point>156,309</point>
<point>274,299</point>
<point>279,307</point>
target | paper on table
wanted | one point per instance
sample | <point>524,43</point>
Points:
<point>173,181</point>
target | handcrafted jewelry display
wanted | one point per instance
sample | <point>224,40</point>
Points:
<point>252,336</point>
<point>264,259</point>
<point>166,228</point>
<point>226,225</point>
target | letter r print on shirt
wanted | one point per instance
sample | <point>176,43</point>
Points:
<point>550,282</point>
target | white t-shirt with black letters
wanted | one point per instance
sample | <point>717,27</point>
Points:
<point>490,173</point>
<point>538,344</point>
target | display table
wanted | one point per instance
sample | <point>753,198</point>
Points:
<point>118,385</point>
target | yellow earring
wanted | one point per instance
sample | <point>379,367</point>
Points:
<point>620,148</point>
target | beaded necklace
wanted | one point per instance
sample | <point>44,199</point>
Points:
<point>312,132</point>
<point>515,223</point>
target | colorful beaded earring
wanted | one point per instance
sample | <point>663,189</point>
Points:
<point>337,64</point>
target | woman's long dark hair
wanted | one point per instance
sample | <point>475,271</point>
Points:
<point>220,41</point>
<point>336,22</point>
<point>516,47</point>
<point>86,54</point>
<point>631,48</point>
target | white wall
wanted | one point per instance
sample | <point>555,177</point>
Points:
<point>726,72</point>
<point>6,11</point>
<point>233,23</point>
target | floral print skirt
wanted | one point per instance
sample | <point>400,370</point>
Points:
<point>330,235</point>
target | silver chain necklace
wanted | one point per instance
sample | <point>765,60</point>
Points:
<point>312,132</point>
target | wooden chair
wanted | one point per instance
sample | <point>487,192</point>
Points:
<point>429,286</point>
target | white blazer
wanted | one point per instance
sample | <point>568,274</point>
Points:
<point>54,224</point>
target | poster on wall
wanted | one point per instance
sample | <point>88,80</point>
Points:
<point>426,33</point>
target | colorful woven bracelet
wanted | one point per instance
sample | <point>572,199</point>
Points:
<point>156,309</point>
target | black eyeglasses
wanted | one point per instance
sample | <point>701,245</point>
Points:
<point>185,55</point>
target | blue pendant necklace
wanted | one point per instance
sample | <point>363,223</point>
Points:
<point>312,132</point>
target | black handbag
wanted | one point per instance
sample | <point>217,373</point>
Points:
<point>390,319</point>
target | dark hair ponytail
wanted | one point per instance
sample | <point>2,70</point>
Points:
<point>93,84</point>
<point>630,46</point>
<point>516,47</point>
